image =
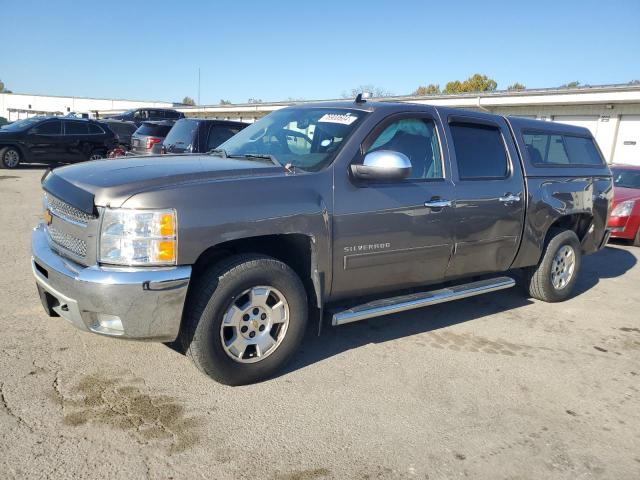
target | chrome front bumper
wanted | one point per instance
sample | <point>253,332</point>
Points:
<point>137,303</point>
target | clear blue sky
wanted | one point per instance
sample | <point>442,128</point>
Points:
<point>315,49</point>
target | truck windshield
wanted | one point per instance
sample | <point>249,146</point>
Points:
<point>307,138</point>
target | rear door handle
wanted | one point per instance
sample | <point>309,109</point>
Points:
<point>510,198</point>
<point>439,203</point>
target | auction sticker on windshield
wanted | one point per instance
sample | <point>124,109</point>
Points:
<point>344,119</point>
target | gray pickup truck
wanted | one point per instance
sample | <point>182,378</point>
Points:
<point>343,211</point>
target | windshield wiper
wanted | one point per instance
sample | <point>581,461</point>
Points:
<point>221,152</point>
<point>258,156</point>
<point>264,156</point>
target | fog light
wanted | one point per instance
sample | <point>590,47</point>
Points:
<point>108,325</point>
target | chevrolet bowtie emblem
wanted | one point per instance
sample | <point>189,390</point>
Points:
<point>48,218</point>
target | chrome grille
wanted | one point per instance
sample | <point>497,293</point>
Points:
<point>67,212</point>
<point>68,242</point>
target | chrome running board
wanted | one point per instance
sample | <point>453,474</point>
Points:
<point>402,303</point>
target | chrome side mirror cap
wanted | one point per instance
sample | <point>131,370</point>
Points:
<point>383,165</point>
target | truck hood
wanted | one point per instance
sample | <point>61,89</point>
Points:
<point>110,182</point>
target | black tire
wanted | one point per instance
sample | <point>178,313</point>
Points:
<point>538,279</point>
<point>8,156</point>
<point>215,292</point>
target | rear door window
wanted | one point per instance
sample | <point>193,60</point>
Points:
<point>156,114</point>
<point>557,149</point>
<point>95,129</point>
<point>480,151</point>
<point>76,128</point>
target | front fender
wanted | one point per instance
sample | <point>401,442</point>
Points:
<point>216,212</point>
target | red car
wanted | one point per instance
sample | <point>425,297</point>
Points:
<point>624,221</point>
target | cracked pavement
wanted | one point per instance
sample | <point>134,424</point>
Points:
<point>494,387</point>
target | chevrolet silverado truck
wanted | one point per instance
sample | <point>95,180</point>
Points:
<point>340,210</point>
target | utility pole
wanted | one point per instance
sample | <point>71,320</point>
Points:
<point>198,85</point>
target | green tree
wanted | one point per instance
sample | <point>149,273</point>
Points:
<point>475,83</point>
<point>634,82</point>
<point>516,87</point>
<point>3,89</point>
<point>575,84</point>
<point>430,89</point>
<point>188,101</point>
<point>376,92</point>
<point>224,102</point>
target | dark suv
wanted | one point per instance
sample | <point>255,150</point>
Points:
<point>196,135</point>
<point>139,115</point>
<point>54,139</point>
<point>124,131</point>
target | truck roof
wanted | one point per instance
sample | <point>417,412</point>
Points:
<point>520,123</point>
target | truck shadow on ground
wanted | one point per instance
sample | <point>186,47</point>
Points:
<point>611,262</point>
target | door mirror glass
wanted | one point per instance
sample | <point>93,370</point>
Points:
<point>383,165</point>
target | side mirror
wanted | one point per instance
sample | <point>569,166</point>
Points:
<point>383,165</point>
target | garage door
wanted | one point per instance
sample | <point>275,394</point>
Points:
<point>628,140</point>
<point>586,121</point>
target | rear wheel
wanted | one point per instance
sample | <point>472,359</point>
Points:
<point>9,157</point>
<point>552,280</point>
<point>245,318</point>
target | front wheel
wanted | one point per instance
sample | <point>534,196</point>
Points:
<point>245,318</point>
<point>552,280</point>
<point>9,157</point>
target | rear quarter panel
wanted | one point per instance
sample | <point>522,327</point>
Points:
<point>557,191</point>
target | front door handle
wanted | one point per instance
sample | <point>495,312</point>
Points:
<point>439,203</point>
<point>510,198</point>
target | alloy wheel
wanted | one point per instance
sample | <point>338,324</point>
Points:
<point>562,267</point>
<point>11,158</point>
<point>255,324</point>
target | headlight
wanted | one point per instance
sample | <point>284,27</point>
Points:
<point>138,237</point>
<point>623,209</point>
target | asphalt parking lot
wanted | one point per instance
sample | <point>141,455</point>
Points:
<point>495,387</point>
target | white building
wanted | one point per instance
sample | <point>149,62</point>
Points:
<point>14,106</point>
<point>612,113</point>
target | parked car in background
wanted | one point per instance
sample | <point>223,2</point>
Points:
<point>123,129</point>
<point>148,136</point>
<point>139,115</point>
<point>54,140</point>
<point>624,220</point>
<point>197,135</point>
